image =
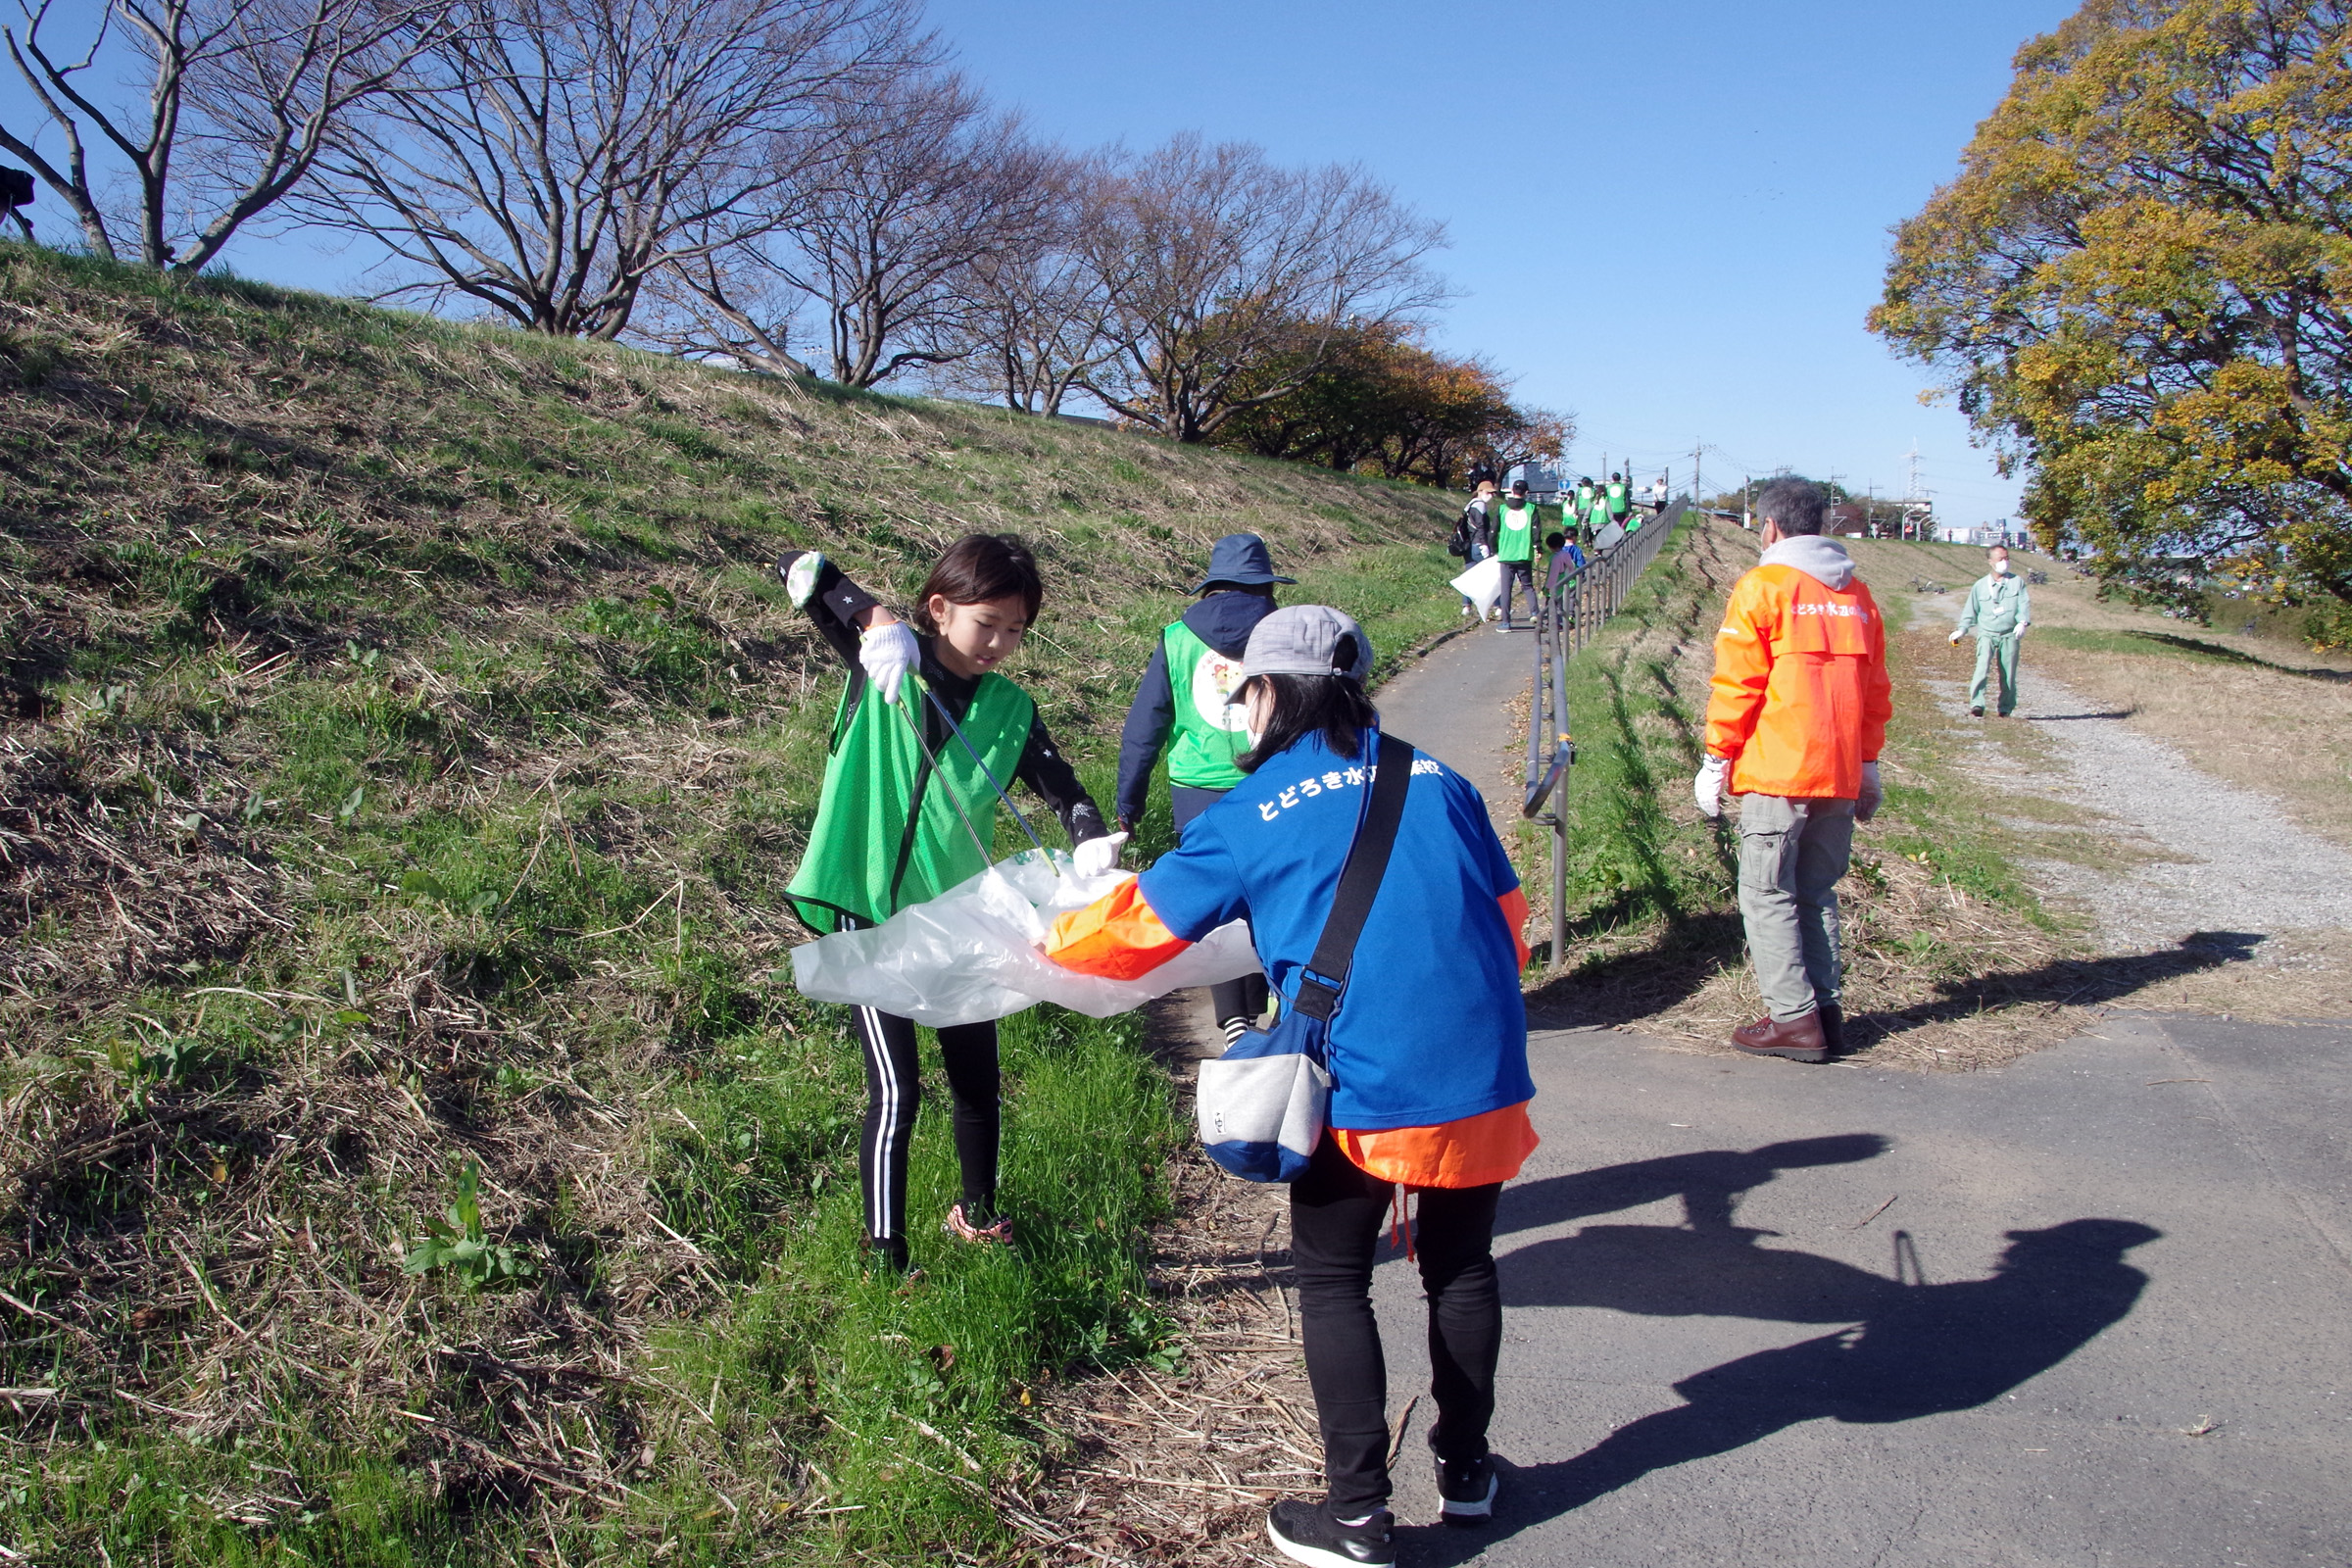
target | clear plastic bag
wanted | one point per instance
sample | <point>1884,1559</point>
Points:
<point>971,953</point>
<point>1481,584</point>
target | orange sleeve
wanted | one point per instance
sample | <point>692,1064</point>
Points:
<point>1118,936</point>
<point>1514,915</point>
<point>1742,669</point>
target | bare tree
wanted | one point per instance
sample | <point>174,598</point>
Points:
<point>881,238</point>
<point>550,158</point>
<point>1220,263</point>
<point>1037,314</point>
<point>248,89</point>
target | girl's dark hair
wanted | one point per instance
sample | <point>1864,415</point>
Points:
<point>1334,706</point>
<point>979,567</point>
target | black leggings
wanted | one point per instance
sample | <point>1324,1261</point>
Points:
<point>1245,999</point>
<point>893,1093</point>
<point>1336,1216</point>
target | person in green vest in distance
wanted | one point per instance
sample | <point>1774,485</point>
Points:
<point>905,816</point>
<point>1515,548</point>
<point>1619,501</point>
<point>1587,498</point>
<point>1181,707</point>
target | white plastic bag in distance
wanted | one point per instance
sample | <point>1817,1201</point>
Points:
<point>971,953</point>
<point>1481,584</point>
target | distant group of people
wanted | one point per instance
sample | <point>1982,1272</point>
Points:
<point>1594,516</point>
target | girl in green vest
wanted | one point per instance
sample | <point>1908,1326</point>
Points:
<point>892,828</point>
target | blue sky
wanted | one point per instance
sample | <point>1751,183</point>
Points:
<point>1668,219</point>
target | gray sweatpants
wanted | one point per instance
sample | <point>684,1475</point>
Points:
<point>1791,854</point>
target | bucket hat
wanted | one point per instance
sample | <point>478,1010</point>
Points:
<point>1240,558</point>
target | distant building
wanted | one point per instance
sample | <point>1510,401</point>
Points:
<point>1543,483</point>
<point>1848,519</point>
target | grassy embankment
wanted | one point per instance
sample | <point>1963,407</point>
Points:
<point>405,746</point>
<point>1952,959</point>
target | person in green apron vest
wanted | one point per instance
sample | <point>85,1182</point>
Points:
<point>1588,495</point>
<point>897,821</point>
<point>1181,707</point>
<point>1515,548</point>
<point>1619,498</point>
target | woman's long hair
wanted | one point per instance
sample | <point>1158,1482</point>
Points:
<point>1334,707</point>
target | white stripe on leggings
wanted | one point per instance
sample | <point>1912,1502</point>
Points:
<point>878,1216</point>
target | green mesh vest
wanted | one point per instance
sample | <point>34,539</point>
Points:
<point>1210,735</point>
<point>887,833</point>
<point>1515,532</point>
<point>1618,502</point>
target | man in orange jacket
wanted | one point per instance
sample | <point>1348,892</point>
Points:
<point>1794,724</point>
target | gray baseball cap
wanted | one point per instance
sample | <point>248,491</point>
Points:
<point>1304,640</point>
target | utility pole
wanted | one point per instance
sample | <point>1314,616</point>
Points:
<point>1912,497</point>
<point>1697,448</point>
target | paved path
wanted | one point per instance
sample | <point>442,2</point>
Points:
<point>2106,1318</point>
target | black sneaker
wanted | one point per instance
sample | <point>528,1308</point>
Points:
<point>1469,1490</point>
<point>1305,1532</point>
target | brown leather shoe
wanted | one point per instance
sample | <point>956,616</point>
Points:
<point>1800,1039</point>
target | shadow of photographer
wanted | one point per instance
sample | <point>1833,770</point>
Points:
<point>1909,1350</point>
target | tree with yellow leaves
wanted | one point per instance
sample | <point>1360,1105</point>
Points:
<point>2141,289</point>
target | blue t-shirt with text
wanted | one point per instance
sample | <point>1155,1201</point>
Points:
<point>1432,1027</point>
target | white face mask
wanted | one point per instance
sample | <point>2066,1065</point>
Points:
<point>2001,568</point>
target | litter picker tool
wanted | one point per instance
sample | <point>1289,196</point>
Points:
<point>923,748</point>
<point>948,719</point>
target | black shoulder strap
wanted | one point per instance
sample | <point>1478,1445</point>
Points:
<point>1326,976</point>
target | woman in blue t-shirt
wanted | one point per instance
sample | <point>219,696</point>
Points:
<point>1428,1050</point>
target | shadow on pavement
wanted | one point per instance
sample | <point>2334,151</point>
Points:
<point>1709,1182</point>
<point>2086,982</point>
<point>1917,1349</point>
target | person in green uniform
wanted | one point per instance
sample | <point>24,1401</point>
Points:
<point>1619,500</point>
<point>1515,548</point>
<point>1588,497</point>
<point>905,817</point>
<point>1998,611</point>
<point>1182,706</point>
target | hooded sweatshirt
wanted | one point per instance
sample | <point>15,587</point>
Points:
<point>1224,621</point>
<point>1800,698</point>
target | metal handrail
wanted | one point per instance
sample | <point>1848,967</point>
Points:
<point>1568,613</point>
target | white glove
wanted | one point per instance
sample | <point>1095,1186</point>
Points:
<point>1866,803</point>
<point>1957,634</point>
<point>1095,857</point>
<point>888,655</point>
<point>1708,786</point>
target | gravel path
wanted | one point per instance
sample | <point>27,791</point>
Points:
<point>2231,860</point>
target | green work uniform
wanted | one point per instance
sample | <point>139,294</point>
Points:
<point>1515,532</point>
<point>1620,499</point>
<point>1998,611</point>
<point>889,832</point>
<point>1211,733</point>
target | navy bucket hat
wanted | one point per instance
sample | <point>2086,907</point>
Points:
<point>1241,557</point>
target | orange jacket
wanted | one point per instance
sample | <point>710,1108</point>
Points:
<point>1800,698</point>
